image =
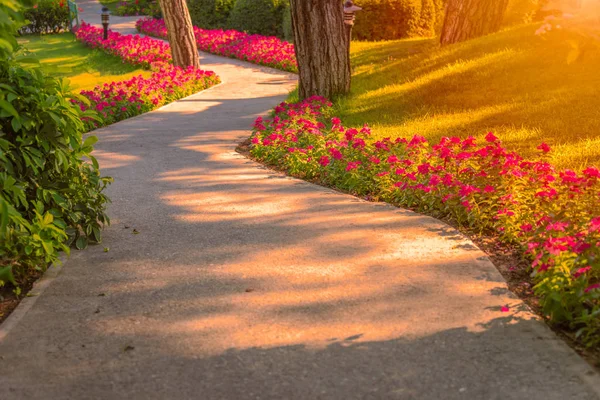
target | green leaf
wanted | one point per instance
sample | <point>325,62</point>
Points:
<point>6,275</point>
<point>90,141</point>
<point>81,243</point>
<point>5,105</point>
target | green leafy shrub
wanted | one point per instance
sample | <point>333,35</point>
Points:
<point>137,7</point>
<point>396,19</point>
<point>46,16</point>
<point>264,17</point>
<point>50,196</point>
<point>210,14</point>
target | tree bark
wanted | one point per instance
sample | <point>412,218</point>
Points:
<point>180,33</point>
<point>322,47</point>
<point>466,19</point>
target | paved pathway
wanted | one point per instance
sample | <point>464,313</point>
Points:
<point>245,284</point>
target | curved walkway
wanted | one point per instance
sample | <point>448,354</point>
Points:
<point>243,283</point>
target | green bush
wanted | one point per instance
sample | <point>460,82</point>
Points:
<point>286,23</point>
<point>396,19</point>
<point>47,16</point>
<point>210,14</point>
<point>50,196</point>
<point>264,17</point>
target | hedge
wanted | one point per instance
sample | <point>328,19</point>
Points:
<point>210,14</point>
<point>47,16</point>
<point>396,19</point>
<point>264,17</point>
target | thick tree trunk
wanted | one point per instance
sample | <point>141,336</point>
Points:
<point>466,19</point>
<point>180,33</point>
<point>322,47</point>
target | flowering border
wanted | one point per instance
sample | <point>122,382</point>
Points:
<point>554,216</point>
<point>116,101</point>
<point>269,51</point>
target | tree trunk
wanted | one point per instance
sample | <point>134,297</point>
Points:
<point>180,33</point>
<point>322,47</point>
<point>466,19</point>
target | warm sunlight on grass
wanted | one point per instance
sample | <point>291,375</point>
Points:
<point>513,83</point>
<point>62,56</point>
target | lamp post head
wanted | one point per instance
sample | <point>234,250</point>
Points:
<point>349,10</point>
<point>349,7</point>
<point>105,15</point>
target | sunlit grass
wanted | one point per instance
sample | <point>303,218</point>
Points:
<point>512,83</point>
<point>62,56</point>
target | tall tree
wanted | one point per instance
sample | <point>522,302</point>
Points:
<point>466,19</point>
<point>322,47</point>
<point>180,33</point>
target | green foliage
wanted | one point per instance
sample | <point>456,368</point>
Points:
<point>395,19</point>
<point>47,16</point>
<point>286,23</point>
<point>49,195</point>
<point>10,20</point>
<point>264,17</point>
<point>210,14</point>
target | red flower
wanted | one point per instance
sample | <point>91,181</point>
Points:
<point>544,147</point>
<point>490,137</point>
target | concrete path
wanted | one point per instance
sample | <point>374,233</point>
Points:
<point>245,284</point>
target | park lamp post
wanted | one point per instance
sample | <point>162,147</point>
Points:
<point>349,16</point>
<point>349,10</point>
<point>105,19</point>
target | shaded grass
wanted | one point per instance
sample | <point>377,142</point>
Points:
<point>512,83</point>
<point>62,56</point>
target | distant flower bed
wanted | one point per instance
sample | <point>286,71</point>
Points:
<point>116,101</point>
<point>554,215</point>
<point>133,49</point>
<point>263,50</point>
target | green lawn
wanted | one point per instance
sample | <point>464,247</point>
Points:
<point>62,56</point>
<point>512,83</point>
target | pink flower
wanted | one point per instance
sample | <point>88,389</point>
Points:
<point>352,165</point>
<point>324,161</point>
<point>594,224</point>
<point>592,287</point>
<point>526,227</point>
<point>490,137</point>
<point>581,271</point>
<point>504,309</point>
<point>336,154</point>
<point>544,147</point>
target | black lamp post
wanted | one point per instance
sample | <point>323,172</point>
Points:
<point>105,18</point>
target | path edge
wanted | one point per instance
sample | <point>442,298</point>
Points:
<point>39,287</point>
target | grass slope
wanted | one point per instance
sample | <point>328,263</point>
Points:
<point>512,83</point>
<point>62,56</point>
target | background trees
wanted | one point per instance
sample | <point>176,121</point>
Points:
<point>466,19</point>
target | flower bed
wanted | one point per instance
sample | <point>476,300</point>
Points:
<point>263,50</point>
<point>553,215</point>
<point>116,101</point>
<point>133,49</point>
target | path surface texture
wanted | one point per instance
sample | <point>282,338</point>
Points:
<point>245,284</point>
